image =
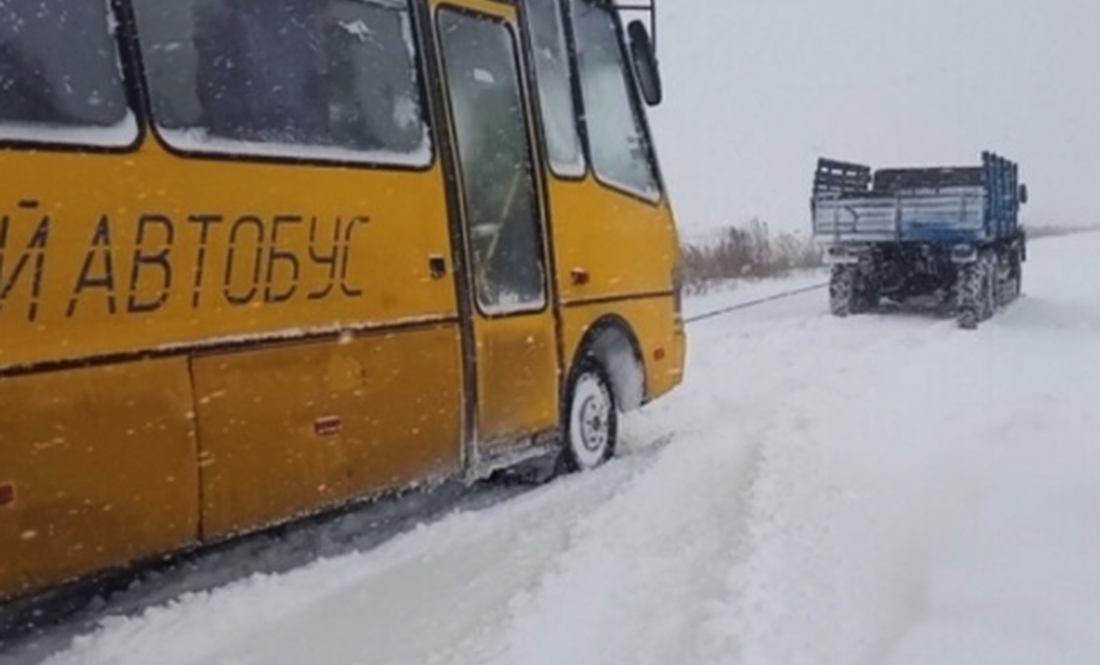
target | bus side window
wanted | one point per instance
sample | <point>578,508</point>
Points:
<point>555,93</point>
<point>616,138</point>
<point>294,78</point>
<point>59,69</point>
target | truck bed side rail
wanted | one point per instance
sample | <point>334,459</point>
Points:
<point>947,215</point>
<point>948,204</point>
<point>838,178</point>
<point>894,180</point>
<point>1002,194</point>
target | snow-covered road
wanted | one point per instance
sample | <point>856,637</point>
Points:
<point>880,490</point>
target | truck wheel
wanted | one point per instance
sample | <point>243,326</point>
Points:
<point>869,294</point>
<point>968,295</point>
<point>590,418</point>
<point>1017,277</point>
<point>1007,285</point>
<point>842,291</point>
<point>989,286</point>
<point>985,298</point>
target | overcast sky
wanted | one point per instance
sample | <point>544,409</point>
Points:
<point>756,90</point>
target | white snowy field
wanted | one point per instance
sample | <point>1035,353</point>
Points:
<point>883,490</point>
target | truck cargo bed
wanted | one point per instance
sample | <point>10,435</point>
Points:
<point>935,216</point>
<point>947,233</point>
<point>929,205</point>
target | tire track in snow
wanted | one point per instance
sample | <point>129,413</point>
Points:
<point>781,600</point>
<point>863,493</point>
<point>771,589</point>
<point>639,576</point>
<point>800,596</point>
<point>459,562</point>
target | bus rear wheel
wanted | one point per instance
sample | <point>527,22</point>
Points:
<point>590,418</point>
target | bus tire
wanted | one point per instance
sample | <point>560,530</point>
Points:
<point>590,419</point>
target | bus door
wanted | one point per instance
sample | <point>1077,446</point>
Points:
<point>508,284</point>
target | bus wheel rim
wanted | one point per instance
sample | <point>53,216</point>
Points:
<point>590,421</point>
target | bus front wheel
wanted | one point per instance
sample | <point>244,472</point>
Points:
<point>590,418</point>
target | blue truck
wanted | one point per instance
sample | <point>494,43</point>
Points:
<point>952,233</point>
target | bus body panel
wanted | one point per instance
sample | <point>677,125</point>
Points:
<point>660,338</point>
<point>616,256</point>
<point>151,251</point>
<point>101,462</point>
<point>294,428</point>
<point>610,244</point>
<point>517,378</point>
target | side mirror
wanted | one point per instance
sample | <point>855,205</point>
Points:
<point>644,59</point>
<point>1023,194</point>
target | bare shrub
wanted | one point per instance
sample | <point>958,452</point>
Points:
<point>751,251</point>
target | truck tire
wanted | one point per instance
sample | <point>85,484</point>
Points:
<point>868,293</point>
<point>1001,279</point>
<point>842,291</point>
<point>1018,280</point>
<point>968,295</point>
<point>990,282</point>
<point>1015,277</point>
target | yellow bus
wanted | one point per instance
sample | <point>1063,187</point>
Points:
<point>261,258</point>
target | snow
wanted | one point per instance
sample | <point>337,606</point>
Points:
<point>200,141</point>
<point>357,29</point>
<point>881,489</point>
<point>116,136</point>
<point>484,76</point>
